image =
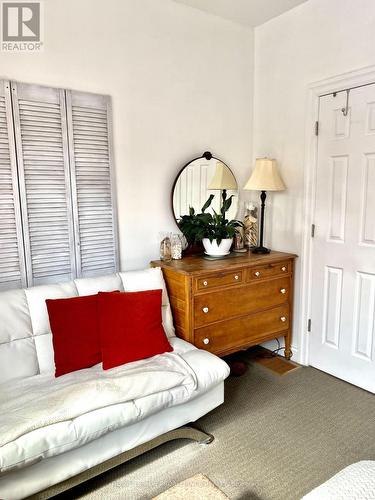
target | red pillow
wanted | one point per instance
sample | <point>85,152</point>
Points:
<point>75,334</point>
<point>130,326</point>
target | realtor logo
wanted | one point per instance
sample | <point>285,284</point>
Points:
<point>21,26</point>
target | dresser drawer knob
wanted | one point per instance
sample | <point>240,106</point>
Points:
<point>205,283</point>
<point>236,277</point>
<point>283,291</point>
<point>205,310</point>
<point>283,269</point>
<point>206,341</point>
<point>257,274</point>
<point>283,319</point>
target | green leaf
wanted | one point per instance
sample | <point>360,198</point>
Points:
<point>226,205</point>
<point>208,203</point>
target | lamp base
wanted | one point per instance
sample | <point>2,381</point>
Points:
<point>260,250</point>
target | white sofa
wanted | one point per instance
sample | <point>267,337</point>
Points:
<point>35,458</point>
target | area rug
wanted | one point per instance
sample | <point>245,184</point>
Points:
<point>197,487</point>
<point>277,364</point>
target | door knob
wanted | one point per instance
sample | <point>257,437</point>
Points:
<point>206,341</point>
<point>205,283</point>
<point>236,277</point>
<point>283,290</point>
<point>283,319</point>
<point>283,269</point>
<point>257,274</point>
<point>205,310</point>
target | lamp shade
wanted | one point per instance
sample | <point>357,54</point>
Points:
<point>265,176</point>
<point>223,178</point>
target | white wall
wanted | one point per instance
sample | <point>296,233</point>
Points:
<point>318,39</point>
<point>181,83</point>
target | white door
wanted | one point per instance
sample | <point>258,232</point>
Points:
<point>343,272</point>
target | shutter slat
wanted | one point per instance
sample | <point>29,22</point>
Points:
<point>42,241</point>
<point>92,135</point>
<point>12,265</point>
<point>45,186</point>
<point>89,110</point>
<point>90,159</point>
<point>41,135</point>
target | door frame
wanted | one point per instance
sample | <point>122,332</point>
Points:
<point>341,82</point>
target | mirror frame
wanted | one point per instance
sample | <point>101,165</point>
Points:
<point>208,156</point>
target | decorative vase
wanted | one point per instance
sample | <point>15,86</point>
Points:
<point>212,248</point>
<point>165,247</point>
<point>251,226</point>
<point>176,246</point>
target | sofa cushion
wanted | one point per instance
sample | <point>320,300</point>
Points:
<point>15,320</point>
<point>91,286</point>
<point>130,326</point>
<point>150,279</point>
<point>18,357</point>
<point>75,333</point>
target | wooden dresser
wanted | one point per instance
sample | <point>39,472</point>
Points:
<point>231,304</point>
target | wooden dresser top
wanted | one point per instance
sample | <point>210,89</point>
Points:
<point>196,264</point>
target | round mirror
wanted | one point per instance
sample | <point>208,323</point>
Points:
<point>200,178</point>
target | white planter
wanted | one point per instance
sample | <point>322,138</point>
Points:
<point>217,250</point>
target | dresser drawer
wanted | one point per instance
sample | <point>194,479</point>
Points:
<point>229,335</point>
<point>219,279</point>
<point>268,270</point>
<point>239,301</point>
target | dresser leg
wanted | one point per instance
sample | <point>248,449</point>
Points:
<point>288,353</point>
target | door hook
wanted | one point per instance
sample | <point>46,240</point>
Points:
<point>346,109</point>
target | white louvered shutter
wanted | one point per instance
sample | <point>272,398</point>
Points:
<point>12,264</point>
<point>89,129</point>
<point>43,167</point>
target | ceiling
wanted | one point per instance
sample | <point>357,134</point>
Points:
<point>247,12</point>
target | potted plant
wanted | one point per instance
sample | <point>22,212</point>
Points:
<point>212,229</point>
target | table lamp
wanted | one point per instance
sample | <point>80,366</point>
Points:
<point>265,177</point>
<point>223,178</point>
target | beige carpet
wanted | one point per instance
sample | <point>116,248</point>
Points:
<point>276,438</point>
